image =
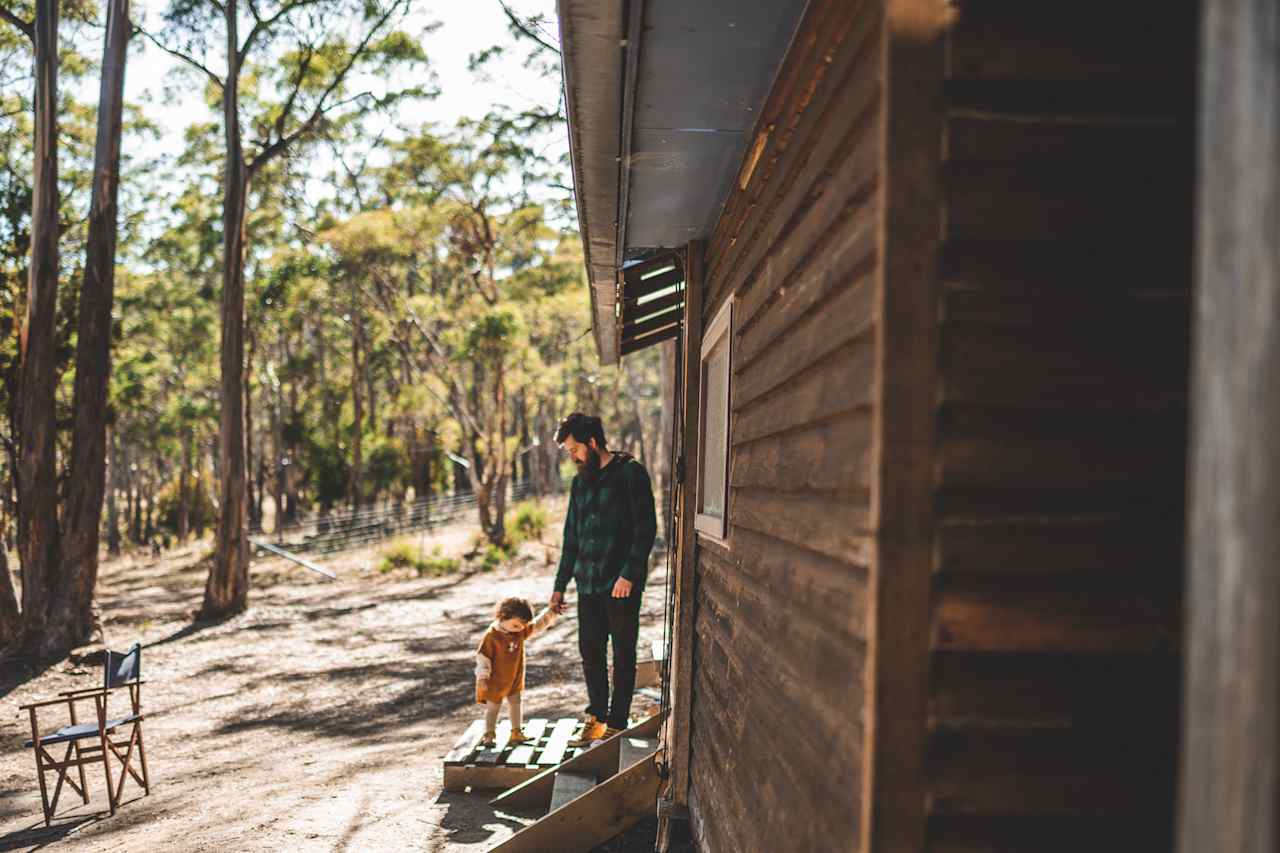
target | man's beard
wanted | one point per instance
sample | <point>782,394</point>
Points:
<point>590,469</point>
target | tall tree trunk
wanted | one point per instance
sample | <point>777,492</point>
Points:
<point>357,418</point>
<point>184,487</point>
<point>38,535</point>
<point>83,515</point>
<point>254,484</point>
<point>151,515</point>
<point>113,520</point>
<point>10,618</point>
<point>227,589</point>
<point>279,471</point>
<point>290,473</point>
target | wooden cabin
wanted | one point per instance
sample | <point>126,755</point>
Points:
<point>928,268</point>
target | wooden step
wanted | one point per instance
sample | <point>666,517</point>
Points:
<point>600,760</point>
<point>593,817</point>
<point>632,749</point>
<point>569,786</point>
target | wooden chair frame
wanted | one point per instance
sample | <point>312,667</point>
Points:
<point>105,733</point>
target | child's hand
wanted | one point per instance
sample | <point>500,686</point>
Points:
<point>482,684</point>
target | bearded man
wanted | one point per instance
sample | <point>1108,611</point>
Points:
<point>608,534</point>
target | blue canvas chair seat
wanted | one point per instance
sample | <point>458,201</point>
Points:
<point>83,730</point>
<point>97,742</point>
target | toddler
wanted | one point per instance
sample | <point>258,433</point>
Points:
<point>500,664</point>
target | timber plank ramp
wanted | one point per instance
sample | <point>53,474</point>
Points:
<point>591,797</point>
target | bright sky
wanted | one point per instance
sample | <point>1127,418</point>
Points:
<point>467,27</point>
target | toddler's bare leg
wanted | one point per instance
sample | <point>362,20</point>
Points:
<point>514,706</point>
<point>491,710</point>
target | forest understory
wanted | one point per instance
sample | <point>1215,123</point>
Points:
<point>317,720</point>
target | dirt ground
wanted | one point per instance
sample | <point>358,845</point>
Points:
<point>317,720</point>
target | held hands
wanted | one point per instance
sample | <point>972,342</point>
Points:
<point>621,588</point>
<point>557,605</point>
<point>482,684</point>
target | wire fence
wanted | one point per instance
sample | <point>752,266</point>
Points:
<point>345,529</point>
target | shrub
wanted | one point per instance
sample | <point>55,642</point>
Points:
<point>437,564</point>
<point>399,555</point>
<point>406,555</point>
<point>495,555</point>
<point>527,522</point>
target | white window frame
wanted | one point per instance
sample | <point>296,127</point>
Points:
<point>721,327</point>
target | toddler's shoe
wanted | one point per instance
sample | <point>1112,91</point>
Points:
<point>489,739</point>
<point>518,737</point>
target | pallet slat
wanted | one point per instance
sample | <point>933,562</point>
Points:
<point>493,753</point>
<point>466,744</point>
<point>558,742</point>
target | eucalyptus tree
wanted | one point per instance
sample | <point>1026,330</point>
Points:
<point>38,536</point>
<point>82,517</point>
<point>302,67</point>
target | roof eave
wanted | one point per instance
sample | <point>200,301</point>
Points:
<point>591,35</point>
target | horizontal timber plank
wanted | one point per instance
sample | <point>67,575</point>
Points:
<point>844,260</point>
<point>1050,773</point>
<point>829,456</point>
<point>792,687</point>
<point>1068,833</point>
<point>838,386</point>
<point>1111,692</point>
<point>833,592</point>
<point>837,528</point>
<point>809,344</point>
<point>1005,367</point>
<point>1005,39</point>
<point>1160,141</point>
<point>1125,545</point>
<point>1063,99</point>
<point>984,203</point>
<point>1106,265</point>
<point>1054,615</point>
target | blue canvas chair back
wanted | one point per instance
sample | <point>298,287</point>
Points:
<point>121,668</point>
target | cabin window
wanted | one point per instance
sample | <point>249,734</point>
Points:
<point>713,469</point>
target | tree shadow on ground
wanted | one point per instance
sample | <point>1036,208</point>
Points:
<point>364,711</point>
<point>469,819</point>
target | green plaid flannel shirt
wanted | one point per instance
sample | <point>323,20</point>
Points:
<point>610,528</point>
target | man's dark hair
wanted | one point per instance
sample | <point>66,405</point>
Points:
<point>583,428</point>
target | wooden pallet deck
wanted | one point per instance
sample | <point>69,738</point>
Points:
<point>469,765</point>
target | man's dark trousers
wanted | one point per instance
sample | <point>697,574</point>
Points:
<point>601,619</point>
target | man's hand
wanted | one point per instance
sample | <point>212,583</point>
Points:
<point>557,604</point>
<point>621,588</point>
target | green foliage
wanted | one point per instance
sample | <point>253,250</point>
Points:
<point>201,513</point>
<point>404,554</point>
<point>494,556</point>
<point>527,521</point>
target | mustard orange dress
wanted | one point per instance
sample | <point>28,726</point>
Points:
<point>505,654</point>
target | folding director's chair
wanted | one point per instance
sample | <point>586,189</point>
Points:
<point>93,742</point>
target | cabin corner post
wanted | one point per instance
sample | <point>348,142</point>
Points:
<point>1230,773</point>
<point>903,456</point>
<point>678,727</point>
